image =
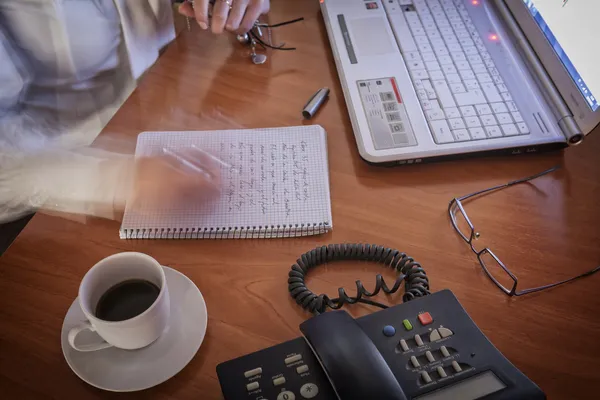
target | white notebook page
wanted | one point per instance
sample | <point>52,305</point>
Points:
<point>278,176</point>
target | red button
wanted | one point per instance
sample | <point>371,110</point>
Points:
<point>425,318</point>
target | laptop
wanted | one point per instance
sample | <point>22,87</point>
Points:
<point>426,80</point>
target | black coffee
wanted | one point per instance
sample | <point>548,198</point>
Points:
<point>127,299</point>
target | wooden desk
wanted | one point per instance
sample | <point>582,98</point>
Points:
<point>545,231</point>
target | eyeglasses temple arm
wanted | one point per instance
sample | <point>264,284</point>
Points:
<point>585,274</point>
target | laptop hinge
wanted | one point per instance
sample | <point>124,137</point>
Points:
<point>566,122</point>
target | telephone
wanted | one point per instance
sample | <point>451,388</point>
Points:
<point>425,349</point>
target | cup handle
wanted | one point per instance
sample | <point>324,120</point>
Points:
<point>88,347</point>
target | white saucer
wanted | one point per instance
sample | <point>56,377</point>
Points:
<point>130,370</point>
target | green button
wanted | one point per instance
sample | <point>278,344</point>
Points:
<point>407,325</point>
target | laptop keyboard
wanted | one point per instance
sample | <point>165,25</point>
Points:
<point>461,92</point>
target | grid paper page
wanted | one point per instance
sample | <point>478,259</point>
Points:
<point>277,177</point>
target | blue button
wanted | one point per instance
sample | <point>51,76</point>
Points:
<point>389,330</point>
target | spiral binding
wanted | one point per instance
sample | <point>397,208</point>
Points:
<point>416,280</point>
<point>242,232</point>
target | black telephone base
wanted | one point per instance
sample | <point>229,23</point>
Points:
<point>430,344</point>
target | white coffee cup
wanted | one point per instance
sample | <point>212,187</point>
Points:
<point>133,333</point>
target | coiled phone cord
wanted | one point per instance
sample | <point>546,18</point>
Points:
<point>410,271</point>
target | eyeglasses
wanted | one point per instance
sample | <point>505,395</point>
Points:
<point>491,264</point>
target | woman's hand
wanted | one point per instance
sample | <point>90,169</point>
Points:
<point>185,178</point>
<point>233,15</point>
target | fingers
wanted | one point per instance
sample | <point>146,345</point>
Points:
<point>201,13</point>
<point>186,10</point>
<point>236,15</point>
<point>254,10</point>
<point>219,15</point>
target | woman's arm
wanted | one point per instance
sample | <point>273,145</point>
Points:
<point>14,74</point>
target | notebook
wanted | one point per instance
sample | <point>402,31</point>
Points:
<point>276,185</point>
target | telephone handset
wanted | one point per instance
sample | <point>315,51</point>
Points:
<point>350,360</point>
<point>425,349</point>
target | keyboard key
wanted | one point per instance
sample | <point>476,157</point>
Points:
<point>477,133</point>
<point>467,74</point>
<point>423,47</point>
<point>419,74</point>
<point>412,17</point>
<point>429,56</point>
<point>493,131</point>
<point>449,69</point>
<point>445,60</point>
<point>504,118</point>
<point>441,51</point>
<point>484,78</point>
<point>432,65</point>
<point>509,129</point>
<point>412,56</point>
<point>421,39</point>
<point>452,112</point>
<point>418,84</point>
<point>432,31</point>
<point>447,32</point>
<point>453,78</point>
<point>416,64</point>
<point>451,39</point>
<point>418,30</point>
<point>471,84</point>
<point>523,128</point>
<point>461,135</point>
<point>517,116</point>
<point>472,122</point>
<point>497,80</point>
<point>499,108</point>
<point>489,63</point>
<point>454,47</point>
<point>422,94</point>
<point>491,92</point>
<point>463,66</point>
<point>463,34</point>
<point>429,90</point>
<point>436,75</point>
<point>470,50</point>
<point>458,56</point>
<point>444,94</point>
<point>441,131</point>
<point>503,89</point>
<point>456,123</point>
<point>512,106</point>
<point>470,98</point>
<point>479,68</point>
<point>435,115</point>
<point>475,59</point>
<point>458,26</point>
<point>483,109</point>
<point>430,105</point>
<point>438,43</point>
<point>488,120</point>
<point>402,32</point>
<point>457,88</point>
<point>468,111</point>
<point>466,42</point>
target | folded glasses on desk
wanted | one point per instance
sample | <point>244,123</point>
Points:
<point>491,264</point>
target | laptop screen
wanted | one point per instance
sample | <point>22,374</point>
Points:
<point>570,26</point>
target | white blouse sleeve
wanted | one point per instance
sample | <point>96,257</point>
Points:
<point>81,181</point>
<point>14,75</point>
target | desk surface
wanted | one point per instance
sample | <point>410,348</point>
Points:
<point>545,231</point>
